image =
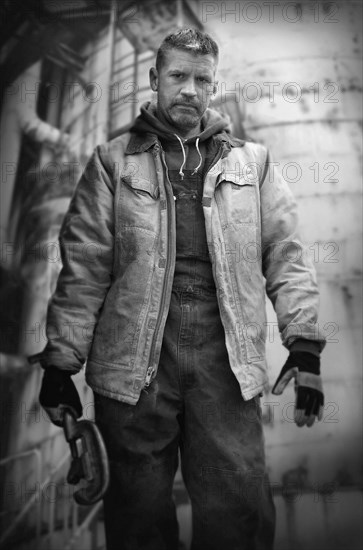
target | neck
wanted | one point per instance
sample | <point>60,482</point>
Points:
<point>190,133</point>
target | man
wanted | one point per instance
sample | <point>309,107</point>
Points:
<point>170,313</point>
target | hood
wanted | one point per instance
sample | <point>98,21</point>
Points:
<point>212,123</point>
<point>147,121</point>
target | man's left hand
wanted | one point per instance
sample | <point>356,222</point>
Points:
<point>304,367</point>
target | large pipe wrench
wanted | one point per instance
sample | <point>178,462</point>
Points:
<point>89,463</point>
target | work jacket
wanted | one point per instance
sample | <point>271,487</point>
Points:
<point>118,252</point>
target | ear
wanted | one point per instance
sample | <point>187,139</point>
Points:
<point>153,78</point>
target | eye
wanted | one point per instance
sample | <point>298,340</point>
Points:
<point>177,75</point>
<point>204,79</point>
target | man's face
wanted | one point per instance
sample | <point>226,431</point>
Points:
<point>185,84</point>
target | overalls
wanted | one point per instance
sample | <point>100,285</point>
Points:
<point>195,405</point>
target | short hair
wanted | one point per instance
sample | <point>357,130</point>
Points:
<point>189,40</point>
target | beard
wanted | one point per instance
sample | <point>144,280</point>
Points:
<point>185,117</point>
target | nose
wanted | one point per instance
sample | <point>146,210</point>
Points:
<point>188,88</point>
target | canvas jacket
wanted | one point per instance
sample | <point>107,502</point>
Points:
<point>118,252</point>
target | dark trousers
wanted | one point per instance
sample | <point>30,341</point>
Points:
<point>195,405</point>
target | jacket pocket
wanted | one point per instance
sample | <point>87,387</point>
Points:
<point>237,200</point>
<point>138,203</point>
<point>142,186</point>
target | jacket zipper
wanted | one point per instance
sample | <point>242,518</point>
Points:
<point>150,370</point>
<point>149,373</point>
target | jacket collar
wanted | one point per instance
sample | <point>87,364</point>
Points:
<point>139,143</point>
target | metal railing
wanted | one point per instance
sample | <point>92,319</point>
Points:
<point>69,534</point>
<point>33,500</point>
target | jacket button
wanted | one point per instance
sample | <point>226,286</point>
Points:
<point>162,263</point>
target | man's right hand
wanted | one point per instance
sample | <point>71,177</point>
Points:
<point>58,393</point>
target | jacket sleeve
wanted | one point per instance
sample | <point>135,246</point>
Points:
<point>86,244</point>
<point>290,275</point>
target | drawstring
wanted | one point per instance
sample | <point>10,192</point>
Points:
<point>200,157</point>
<point>181,173</point>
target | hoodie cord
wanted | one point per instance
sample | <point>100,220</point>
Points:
<point>181,173</point>
<point>200,157</point>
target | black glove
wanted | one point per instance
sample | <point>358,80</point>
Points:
<point>305,368</point>
<point>57,393</point>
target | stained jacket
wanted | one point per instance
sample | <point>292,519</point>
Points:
<point>118,252</point>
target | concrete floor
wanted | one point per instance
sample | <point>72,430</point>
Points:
<point>309,523</point>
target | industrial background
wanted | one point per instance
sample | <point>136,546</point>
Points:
<point>74,74</point>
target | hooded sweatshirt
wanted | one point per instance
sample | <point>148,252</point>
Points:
<point>187,161</point>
